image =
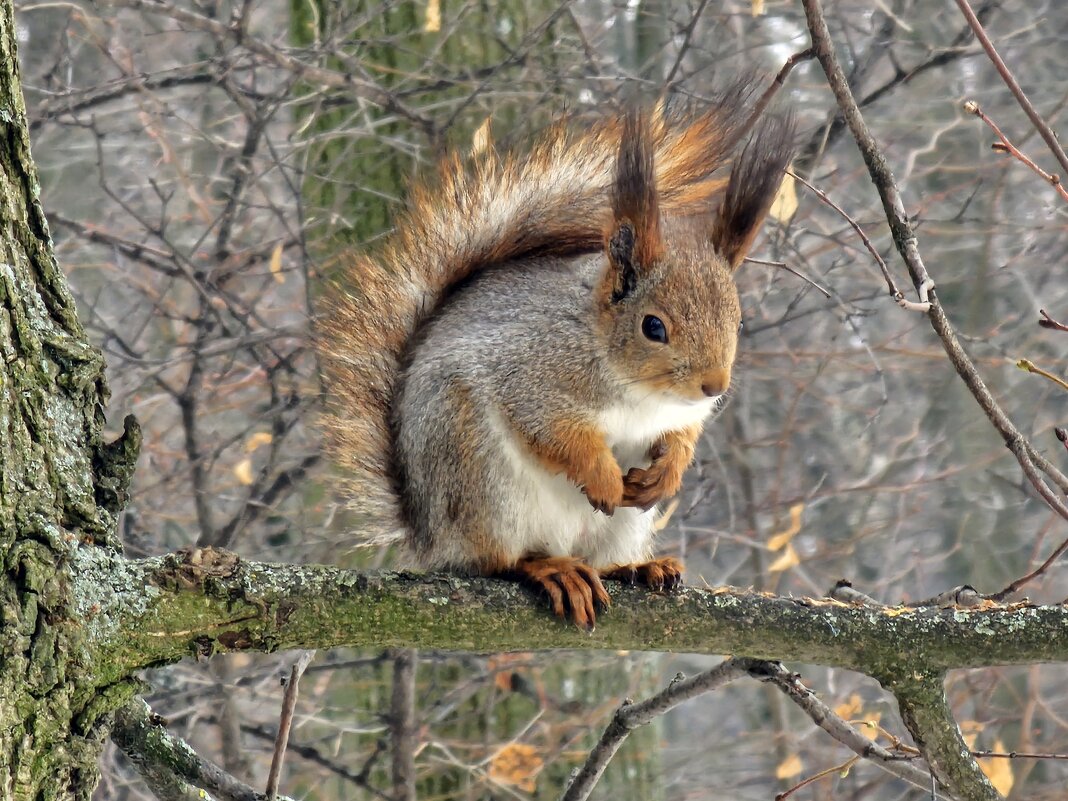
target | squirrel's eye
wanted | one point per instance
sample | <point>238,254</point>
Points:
<point>653,328</point>
<point>741,325</point>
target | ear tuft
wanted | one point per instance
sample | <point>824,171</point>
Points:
<point>754,182</point>
<point>634,243</point>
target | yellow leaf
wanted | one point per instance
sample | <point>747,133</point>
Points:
<point>790,767</point>
<point>788,559</point>
<point>516,764</point>
<point>483,137</point>
<point>433,16</point>
<point>850,708</point>
<point>243,471</point>
<point>999,770</point>
<point>781,539</point>
<point>257,440</point>
<point>785,203</point>
<point>276,264</point>
<point>756,7</point>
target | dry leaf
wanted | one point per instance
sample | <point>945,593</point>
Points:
<point>779,540</point>
<point>756,7</point>
<point>850,708</point>
<point>790,767</point>
<point>785,203</point>
<point>516,764</point>
<point>258,440</point>
<point>276,264</point>
<point>786,560</point>
<point>661,522</point>
<point>482,138</point>
<point>433,16</point>
<point>243,471</point>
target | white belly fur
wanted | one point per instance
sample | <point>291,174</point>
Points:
<point>549,514</point>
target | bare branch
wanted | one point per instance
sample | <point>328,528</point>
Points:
<point>630,716</point>
<point>1040,124</point>
<point>167,762</point>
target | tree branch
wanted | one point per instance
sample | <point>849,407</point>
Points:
<point>167,763</point>
<point>921,698</point>
<point>199,602</point>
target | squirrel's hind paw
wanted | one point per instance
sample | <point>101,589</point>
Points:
<point>574,588</point>
<point>657,574</point>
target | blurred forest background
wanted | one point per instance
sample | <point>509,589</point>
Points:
<point>204,162</point>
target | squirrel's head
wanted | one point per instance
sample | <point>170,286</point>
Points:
<point>668,304</point>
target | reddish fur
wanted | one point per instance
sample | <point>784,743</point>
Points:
<point>558,198</point>
<point>574,588</point>
<point>579,451</point>
<point>657,574</point>
<point>662,479</point>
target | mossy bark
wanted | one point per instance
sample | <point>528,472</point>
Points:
<point>60,489</point>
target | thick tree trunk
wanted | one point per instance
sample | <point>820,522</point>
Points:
<point>60,488</point>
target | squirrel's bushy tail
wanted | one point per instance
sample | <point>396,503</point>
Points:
<point>555,198</point>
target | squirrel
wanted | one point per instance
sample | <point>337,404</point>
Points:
<point>521,373</point>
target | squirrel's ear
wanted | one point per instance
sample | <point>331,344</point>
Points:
<point>634,243</point>
<point>754,182</point>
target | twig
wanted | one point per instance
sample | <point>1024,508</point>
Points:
<point>285,723</point>
<point>687,40</point>
<point>1006,75</point>
<point>775,85</point>
<point>831,771</point>
<point>1016,755</point>
<point>1049,322</point>
<point>784,266</point>
<point>905,240</point>
<point>402,724</point>
<point>1031,367</point>
<point>1038,571</point>
<point>824,717</point>
<point>1007,146</point>
<point>895,293</point>
<point>165,760</point>
<point>630,716</point>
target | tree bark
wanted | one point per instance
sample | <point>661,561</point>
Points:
<point>60,490</point>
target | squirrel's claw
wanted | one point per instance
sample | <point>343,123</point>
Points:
<point>657,574</point>
<point>573,587</point>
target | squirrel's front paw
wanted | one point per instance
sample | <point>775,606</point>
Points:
<point>645,488</point>
<point>604,489</point>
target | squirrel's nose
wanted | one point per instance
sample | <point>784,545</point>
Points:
<point>715,382</point>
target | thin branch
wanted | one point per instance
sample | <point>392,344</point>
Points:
<point>1049,322</point>
<point>1006,146</point>
<point>167,761</point>
<point>824,717</point>
<point>895,293</point>
<point>1031,367</point>
<point>907,245</point>
<point>1040,124</point>
<point>630,716</point>
<point>285,723</point>
<point>784,266</point>
<point>402,724</point>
